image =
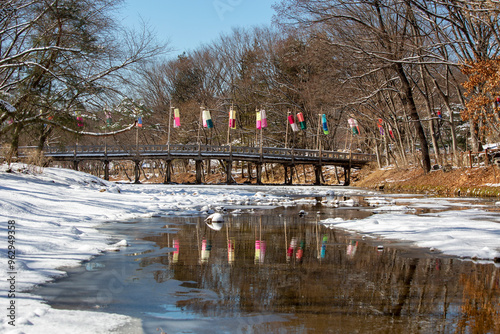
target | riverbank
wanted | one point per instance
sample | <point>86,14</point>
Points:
<point>478,181</point>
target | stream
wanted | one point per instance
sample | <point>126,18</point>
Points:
<point>279,270</point>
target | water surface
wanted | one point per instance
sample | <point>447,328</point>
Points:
<point>274,270</point>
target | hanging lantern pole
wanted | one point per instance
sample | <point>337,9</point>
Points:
<point>318,143</point>
<point>261,130</point>
<point>169,125</point>
<point>199,127</point>
<point>137,134</point>
<point>286,133</point>
<point>106,132</point>
<point>229,125</point>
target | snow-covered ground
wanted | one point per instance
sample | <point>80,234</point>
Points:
<point>469,233</point>
<point>49,219</point>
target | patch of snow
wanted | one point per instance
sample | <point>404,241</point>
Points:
<point>376,201</point>
<point>463,233</point>
<point>389,208</point>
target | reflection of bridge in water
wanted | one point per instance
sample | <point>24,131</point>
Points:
<point>288,157</point>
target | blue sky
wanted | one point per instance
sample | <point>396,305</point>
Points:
<point>190,23</point>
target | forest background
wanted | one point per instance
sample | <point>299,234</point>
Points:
<point>421,78</point>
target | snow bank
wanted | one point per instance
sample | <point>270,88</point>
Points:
<point>472,233</point>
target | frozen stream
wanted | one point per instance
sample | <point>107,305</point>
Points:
<point>275,270</point>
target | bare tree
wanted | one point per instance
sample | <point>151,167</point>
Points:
<point>375,34</point>
<point>464,32</point>
<point>64,57</point>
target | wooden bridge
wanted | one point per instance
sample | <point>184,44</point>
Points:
<point>288,157</point>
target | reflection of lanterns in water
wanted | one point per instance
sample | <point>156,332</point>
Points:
<point>300,250</point>
<point>351,248</point>
<point>438,264</point>
<point>260,251</point>
<point>323,246</point>
<point>206,248</point>
<point>230,251</point>
<point>291,249</point>
<point>175,253</point>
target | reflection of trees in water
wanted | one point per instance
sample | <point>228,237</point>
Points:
<point>334,278</point>
<point>481,302</point>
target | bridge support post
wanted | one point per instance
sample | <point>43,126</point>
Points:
<point>168,172</point>
<point>75,164</point>
<point>347,176</point>
<point>258,168</point>
<point>229,171</point>
<point>318,170</point>
<point>288,174</point>
<point>137,171</point>
<point>199,170</point>
<point>106,170</point>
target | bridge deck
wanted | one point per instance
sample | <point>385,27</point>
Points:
<point>199,152</point>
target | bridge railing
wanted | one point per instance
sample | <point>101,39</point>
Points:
<point>132,150</point>
<point>245,150</point>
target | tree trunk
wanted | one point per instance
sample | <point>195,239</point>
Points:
<point>14,144</point>
<point>45,133</point>
<point>409,103</point>
<point>474,136</point>
<point>428,106</point>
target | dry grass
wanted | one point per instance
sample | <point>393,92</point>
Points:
<point>478,181</point>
